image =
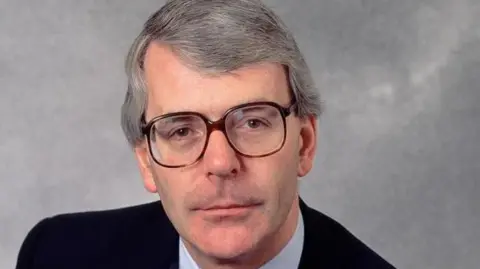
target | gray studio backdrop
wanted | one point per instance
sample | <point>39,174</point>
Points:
<point>399,156</point>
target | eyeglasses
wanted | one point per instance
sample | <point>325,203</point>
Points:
<point>180,139</point>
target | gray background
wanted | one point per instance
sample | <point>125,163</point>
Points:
<point>398,159</point>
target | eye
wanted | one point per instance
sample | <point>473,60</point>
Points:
<point>181,132</point>
<point>254,123</point>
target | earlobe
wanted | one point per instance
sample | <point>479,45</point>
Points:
<point>144,164</point>
<point>308,144</point>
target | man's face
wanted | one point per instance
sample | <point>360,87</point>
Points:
<point>222,176</point>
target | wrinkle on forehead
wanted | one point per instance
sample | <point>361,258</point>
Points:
<point>172,86</point>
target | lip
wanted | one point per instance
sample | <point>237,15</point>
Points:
<point>229,210</point>
<point>228,206</point>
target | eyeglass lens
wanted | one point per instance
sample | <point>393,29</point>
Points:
<point>252,130</point>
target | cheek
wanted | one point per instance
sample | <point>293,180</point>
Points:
<point>289,157</point>
<point>172,183</point>
<point>275,174</point>
<point>285,167</point>
<point>171,191</point>
<point>276,178</point>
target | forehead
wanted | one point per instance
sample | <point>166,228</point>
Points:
<point>172,86</point>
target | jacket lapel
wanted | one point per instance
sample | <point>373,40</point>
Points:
<point>162,248</point>
<point>174,265</point>
<point>313,248</point>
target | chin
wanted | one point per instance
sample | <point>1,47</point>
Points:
<point>227,243</point>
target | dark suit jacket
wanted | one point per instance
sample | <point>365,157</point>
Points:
<point>142,237</point>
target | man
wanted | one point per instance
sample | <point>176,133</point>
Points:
<point>221,113</point>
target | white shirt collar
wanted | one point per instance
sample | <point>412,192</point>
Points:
<point>289,256</point>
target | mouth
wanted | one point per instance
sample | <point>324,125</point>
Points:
<point>228,206</point>
<point>226,210</point>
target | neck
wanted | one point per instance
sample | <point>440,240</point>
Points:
<point>265,250</point>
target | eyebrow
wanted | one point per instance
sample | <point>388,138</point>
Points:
<point>251,100</point>
<point>180,118</point>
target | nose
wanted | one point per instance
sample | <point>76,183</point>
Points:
<point>220,159</point>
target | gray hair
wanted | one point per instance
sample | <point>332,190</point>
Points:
<point>216,36</point>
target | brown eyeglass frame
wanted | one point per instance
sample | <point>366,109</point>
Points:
<point>220,126</point>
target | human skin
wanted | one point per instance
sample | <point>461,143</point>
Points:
<point>267,187</point>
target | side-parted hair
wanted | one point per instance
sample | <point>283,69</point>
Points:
<point>214,37</point>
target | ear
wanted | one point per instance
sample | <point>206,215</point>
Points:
<point>307,144</point>
<point>144,163</point>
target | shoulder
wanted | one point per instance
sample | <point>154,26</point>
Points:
<point>95,235</point>
<point>330,243</point>
<point>99,224</point>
